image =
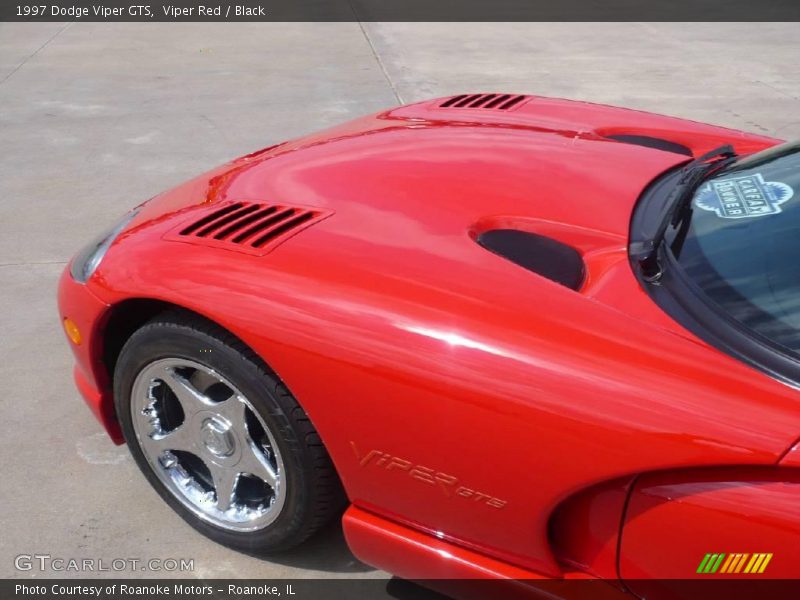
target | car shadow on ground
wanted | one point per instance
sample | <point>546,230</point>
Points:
<point>326,551</point>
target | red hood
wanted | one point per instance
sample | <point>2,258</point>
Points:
<point>417,178</point>
<point>546,158</point>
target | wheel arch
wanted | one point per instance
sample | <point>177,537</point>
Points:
<point>123,319</point>
<point>119,324</point>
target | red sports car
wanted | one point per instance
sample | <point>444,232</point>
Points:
<point>516,337</point>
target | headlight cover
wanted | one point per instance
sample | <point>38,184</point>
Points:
<point>87,260</point>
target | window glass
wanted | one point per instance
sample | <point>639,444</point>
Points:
<point>741,244</point>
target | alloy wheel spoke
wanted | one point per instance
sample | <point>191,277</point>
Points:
<point>256,464</point>
<point>190,398</point>
<point>225,479</point>
<point>177,439</point>
<point>233,410</point>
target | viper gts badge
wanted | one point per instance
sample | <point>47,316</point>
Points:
<point>448,484</point>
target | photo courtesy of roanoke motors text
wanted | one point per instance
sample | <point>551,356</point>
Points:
<point>419,300</point>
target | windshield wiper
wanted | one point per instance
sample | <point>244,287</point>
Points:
<point>645,252</point>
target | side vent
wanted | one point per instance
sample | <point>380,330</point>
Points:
<point>484,101</point>
<point>249,227</point>
<point>542,255</point>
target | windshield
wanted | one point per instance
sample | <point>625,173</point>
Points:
<point>740,242</point>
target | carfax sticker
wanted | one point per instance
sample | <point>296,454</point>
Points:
<point>743,197</point>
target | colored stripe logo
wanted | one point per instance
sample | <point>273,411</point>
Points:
<point>735,562</point>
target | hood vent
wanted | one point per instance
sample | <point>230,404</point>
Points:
<point>542,255</point>
<point>484,101</point>
<point>651,142</point>
<point>250,227</point>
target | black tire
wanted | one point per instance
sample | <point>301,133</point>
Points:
<point>313,490</point>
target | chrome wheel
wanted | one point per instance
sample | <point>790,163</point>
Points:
<point>207,444</point>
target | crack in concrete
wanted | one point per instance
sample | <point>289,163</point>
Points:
<point>39,49</point>
<point>776,89</point>
<point>34,262</point>
<point>380,62</point>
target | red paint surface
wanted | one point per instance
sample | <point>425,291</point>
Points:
<point>674,519</point>
<point>397,332</point>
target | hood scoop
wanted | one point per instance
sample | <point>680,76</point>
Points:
<point>539,254</point>
<point>650,142</point>
<point>251,227</point>
<point>484,101</point>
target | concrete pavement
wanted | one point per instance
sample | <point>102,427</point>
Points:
<point>95,118</point>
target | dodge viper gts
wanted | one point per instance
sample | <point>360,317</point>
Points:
<point>513,337</point>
